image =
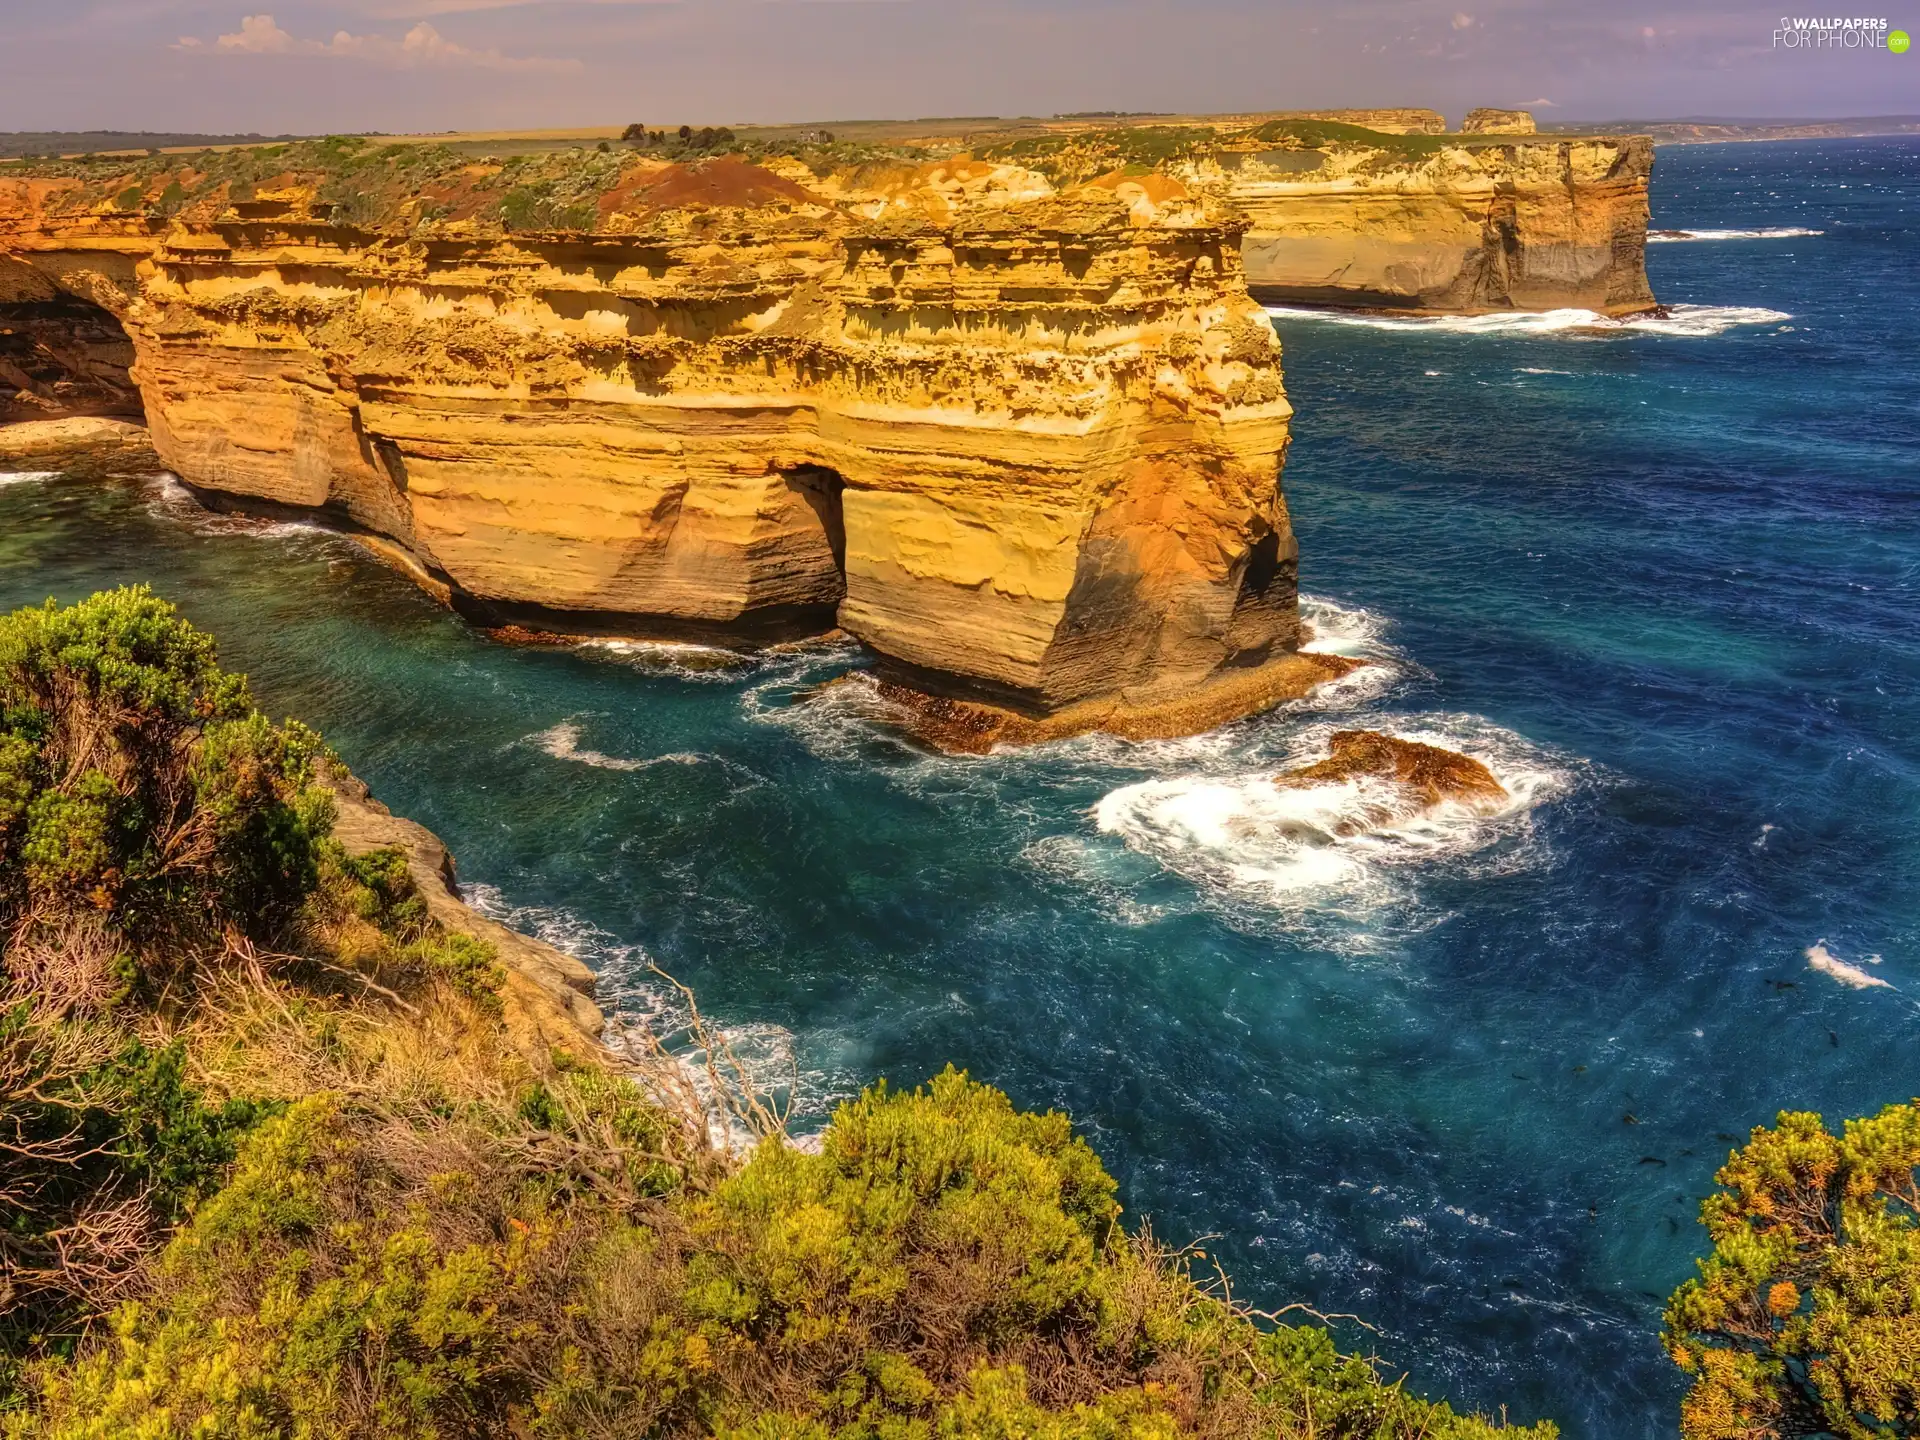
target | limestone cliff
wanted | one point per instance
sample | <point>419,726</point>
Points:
<point>1438,224</point>
<point>1489,121</point>
<point>1022,439</point>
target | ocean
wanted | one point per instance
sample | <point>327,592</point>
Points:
<point>1464,1081</point>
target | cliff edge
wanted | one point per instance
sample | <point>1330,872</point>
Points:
<point>1024,440</point>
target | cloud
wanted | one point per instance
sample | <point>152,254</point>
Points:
<point>420,47</point>
<point>1541,103</point>
<point>1462,20</point>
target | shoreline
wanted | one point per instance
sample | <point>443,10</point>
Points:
<point>549,998</point>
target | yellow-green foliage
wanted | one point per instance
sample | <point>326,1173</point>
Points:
<point>1806,1317</point>
<point>303,1185</point>
<point>944,1266</point>
<point>138,782</point>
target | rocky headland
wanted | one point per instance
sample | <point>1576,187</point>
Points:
<point>1012,417</point>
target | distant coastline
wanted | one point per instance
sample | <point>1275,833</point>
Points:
<point>1725,132</point>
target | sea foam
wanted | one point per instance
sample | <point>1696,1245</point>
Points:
<point>168,499</point>
<point>684,659</point>
<point>649,1016</point>
<point>1774,232</point>
<point>24,477</point>
<point>1852,976</point>
<point>1686,321</point>
<point>1348,847</point>
<point>562,742</point>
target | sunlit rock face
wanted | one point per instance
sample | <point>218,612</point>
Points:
<point>1026,444</point>
<point>1444,225</point>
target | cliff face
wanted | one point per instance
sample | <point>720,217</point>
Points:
<point>1025,443</point>
<point>1441,224</point>
<point>59,355</point>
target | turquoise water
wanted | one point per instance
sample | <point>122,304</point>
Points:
<point>1464,1080</point>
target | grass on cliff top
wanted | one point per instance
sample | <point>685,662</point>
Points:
<point>276,1166</point>
<point>363,183</point>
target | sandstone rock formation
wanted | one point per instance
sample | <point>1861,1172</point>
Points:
<point>58,355</point>
<point>1488,121</point>
<point>1439,225</point>
<point>1010,417</point>
<point>1024,441</point>
<point>109,445</point>
<point>1422,776</point>
<point>1404,121</point>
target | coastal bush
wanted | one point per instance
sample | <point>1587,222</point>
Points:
<point>139,784</point>
<point>1805,1319</point>
<point>275,1163</point>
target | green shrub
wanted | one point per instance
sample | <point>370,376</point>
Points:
<point>377,887</point>
<point>470,968</point>
<point>353,1327</point>
<point>945,1267</point>
<point>138,781</point>
<point>1806,1317</point>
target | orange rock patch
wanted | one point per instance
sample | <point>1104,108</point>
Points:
<point>1429,773</point>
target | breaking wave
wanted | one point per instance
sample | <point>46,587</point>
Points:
<point>168,499</point>
<point>1330,628</point>
<point>835,711</point>
<point>23,477</point>
<point>1852,976</point>
<point>648,1016</point>
<point>1340,849</point>
<point>1775,232</point>
<point>1688,321</point>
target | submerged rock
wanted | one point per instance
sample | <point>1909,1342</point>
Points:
<point>1429,774</point>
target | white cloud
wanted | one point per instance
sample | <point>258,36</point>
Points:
<point>259,35</point>
<point>419,47</point>
<point>1541,103</point>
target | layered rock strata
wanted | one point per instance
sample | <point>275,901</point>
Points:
<point>77,440</point>
<point>1489,121</point>
<point>59,355</point>
<point>1024,442</point>
<point>1441,224</point>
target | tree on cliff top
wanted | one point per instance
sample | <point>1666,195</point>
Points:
<point>1805,1320</point>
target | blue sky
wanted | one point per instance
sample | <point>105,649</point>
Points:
<point>319,65</point>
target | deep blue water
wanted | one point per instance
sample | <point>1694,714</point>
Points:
<point>1465,1080</point>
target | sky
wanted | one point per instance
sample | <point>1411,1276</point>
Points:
<point>313,66</point>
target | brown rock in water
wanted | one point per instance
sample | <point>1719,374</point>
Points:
<point>965,727</point>
<point>1430,774</point>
